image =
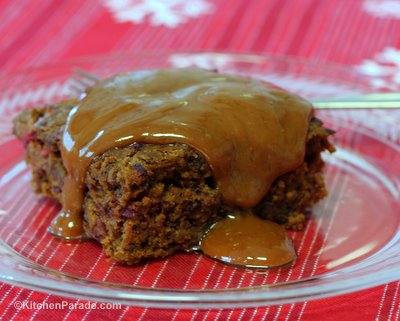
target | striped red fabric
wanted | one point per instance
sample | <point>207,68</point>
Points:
<point>353,33</point>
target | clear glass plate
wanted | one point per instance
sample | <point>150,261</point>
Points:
<point>351,241</point>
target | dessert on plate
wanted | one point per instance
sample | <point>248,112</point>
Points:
<point>146,162</point>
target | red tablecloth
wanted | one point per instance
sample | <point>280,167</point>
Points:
<point>363,34</point>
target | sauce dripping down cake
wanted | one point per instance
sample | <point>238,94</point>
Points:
<point>147,161</point>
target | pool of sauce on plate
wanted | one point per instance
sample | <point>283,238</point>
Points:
<point>244,239</point>
<point>250,132</point>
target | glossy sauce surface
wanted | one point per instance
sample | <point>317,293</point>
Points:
<point>249,132</point>
<point>247,240</point>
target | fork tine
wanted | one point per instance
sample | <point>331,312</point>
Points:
<point>85,74</point>
<point>81,80</point>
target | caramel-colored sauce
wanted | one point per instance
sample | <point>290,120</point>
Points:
<point>68,225</point>
<point>247,240</point>
<point>250,132</point>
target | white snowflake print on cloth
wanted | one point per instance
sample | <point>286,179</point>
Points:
<point>384,69</point>
<point>383,8</point>
<point>169,13</point>
<point>210,61</point>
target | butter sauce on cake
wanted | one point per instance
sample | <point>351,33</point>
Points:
<point>253,136</point>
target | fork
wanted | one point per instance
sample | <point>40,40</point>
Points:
<point>82,79</point>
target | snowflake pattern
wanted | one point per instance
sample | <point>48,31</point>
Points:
<point>169,13</point>
<point>383,8</point>
<point>210,61</point>
<point>384,69</point>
